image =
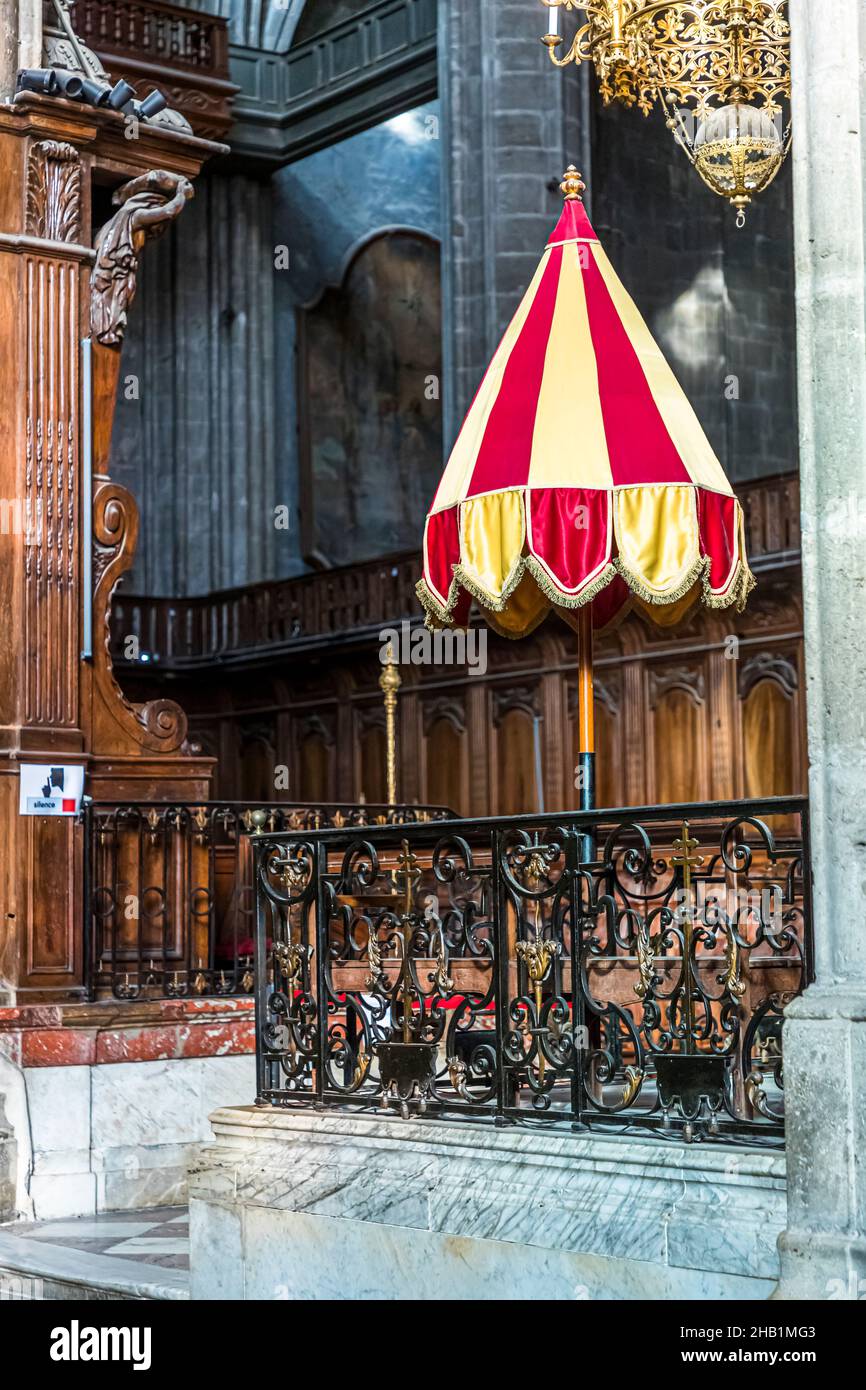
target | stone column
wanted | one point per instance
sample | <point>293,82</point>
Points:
<point>824,1247</point>
<point>20,42</point>
<point>511,122</point>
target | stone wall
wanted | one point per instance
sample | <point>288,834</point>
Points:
<point>7,1166</point>
<point>195,432</point>
<point>510,126</point>
<point>101,1109</point>
<point>720,302</point>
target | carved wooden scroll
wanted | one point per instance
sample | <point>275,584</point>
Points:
<point>146,205</point>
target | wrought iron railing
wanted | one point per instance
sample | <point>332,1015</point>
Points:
<point>168,902</point>
<point>619,968</point>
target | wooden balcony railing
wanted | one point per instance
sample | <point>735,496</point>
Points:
<point>154,44</point>
<point>169,904</point>
<point>240,625</point>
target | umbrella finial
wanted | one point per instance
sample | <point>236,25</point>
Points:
<point>572,185</point>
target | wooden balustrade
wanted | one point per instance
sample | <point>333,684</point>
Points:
<point>339,603</point>
<point>153,44</point>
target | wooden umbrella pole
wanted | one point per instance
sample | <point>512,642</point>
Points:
<point>585,711</point>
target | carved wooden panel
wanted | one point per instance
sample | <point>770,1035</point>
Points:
<point>677,733</point>
<point>516,761</point>
<point>54,191</point>
<point>371,769</point>
<point>315,762</point>
<point>51,386</point>
<point>446,783</point>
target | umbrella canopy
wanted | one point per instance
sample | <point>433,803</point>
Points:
<point>581,474</point>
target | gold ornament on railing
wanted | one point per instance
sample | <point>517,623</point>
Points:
<point>719,69</point>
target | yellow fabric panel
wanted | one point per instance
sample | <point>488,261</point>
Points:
<point>461,465</point>
<point>667,615</point>
<point>526,608</point>
<point>569,446</point>
<point>657,534</point>
<point>680,420</point>
<point>491,541</point>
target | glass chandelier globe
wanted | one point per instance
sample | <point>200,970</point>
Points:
<point>738,151</point>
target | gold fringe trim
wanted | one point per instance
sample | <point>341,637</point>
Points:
<point>468,581</point>
<point>556,595</point>
<point>736,594</point>
<point>437,615</point>
<point>698,570</point>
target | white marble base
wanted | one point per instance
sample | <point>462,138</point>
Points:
<point>119,1137</point>
<point>302,1204</point>
<point>8,1168</point>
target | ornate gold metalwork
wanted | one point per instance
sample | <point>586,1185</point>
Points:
<point>537,953</point>
<point>694,59</point>
<point>374,956</point>
<point>389,684</point>
<point>572,185</point>
<point>730,976</point>
<point>291,958</point>
<point>645,965</point>
<point>537,957</point>
<point>682,859</point>
<point>634,1078</point>
<point>409,871</point>
<point>458,1073</point>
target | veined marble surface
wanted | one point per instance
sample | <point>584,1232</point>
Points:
<point>119,1136</point>
<point>379,1193</point>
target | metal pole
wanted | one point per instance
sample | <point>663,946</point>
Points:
<point>585,711</point>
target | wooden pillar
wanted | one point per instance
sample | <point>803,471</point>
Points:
<point>60,523</point>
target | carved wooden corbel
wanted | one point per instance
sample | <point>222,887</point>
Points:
<point>146,206</point>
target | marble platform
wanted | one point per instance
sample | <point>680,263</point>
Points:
<point>114,1137</point>
<point>300,1204</point>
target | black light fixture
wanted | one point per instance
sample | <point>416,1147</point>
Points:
<point>38,80</point>
<point>69,85</point>
<point>120,95</point>
<point>95,93</point>
<point>153,103</point>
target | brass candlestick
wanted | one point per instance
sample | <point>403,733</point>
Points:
<point>389,684</point>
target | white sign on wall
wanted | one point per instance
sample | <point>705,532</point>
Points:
<point>51,789</point>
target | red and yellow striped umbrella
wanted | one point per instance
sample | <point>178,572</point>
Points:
<point>581,474</point>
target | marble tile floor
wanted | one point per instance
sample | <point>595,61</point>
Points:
<point>159,1236</point>
<point>125,1254</point>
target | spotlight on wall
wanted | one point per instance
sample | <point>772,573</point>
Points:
<point>69,85</point>
<point>38,80</point>
<point>95,93</point>
<point>120,95</point>
<point>153,103</point>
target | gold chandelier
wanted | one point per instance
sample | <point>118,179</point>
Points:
<point>720,70</point>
